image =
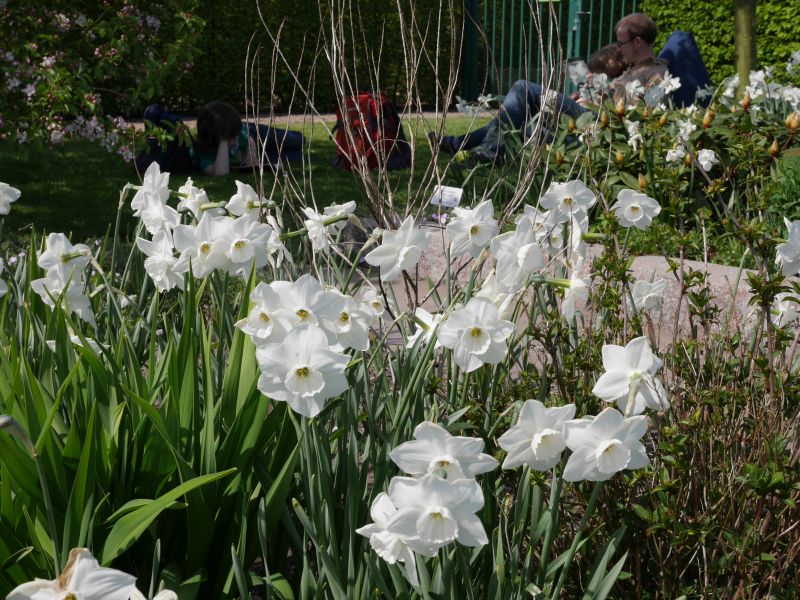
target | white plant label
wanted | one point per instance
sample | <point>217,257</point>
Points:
<point>446,196</point>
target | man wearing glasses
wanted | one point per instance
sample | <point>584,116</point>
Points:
<point>635,36</point>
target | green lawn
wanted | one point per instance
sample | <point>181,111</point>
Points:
<point>74,188</point>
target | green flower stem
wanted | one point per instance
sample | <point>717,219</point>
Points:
<point>593,237</point>
<point>576,541</point>
<point>625,243</point>
<point>304,231</point>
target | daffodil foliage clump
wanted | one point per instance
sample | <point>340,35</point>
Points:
<point>248,406</point>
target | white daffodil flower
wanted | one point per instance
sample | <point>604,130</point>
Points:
<point>391,547</point>
<point>244,202</point>
<point>604,445</point>
<point>788,252</point>
<point>633,209</point>
<point>52,287</point>
<point>577,289</point>
<point>194,198</point>
<point>629,374</point>
<point>518,254</point>
<point>304,301</point>
<point>471,229</point>
<point>84,579</point>
<point>302,370</point>
<point>160,261</point>
<point>338,210</point>
<point>400,250</point>
<point>434,450</point>
<point>156,184</point>
<point>648,295</point>
<point>372,300</point>
<point>475,334</point>
<point>317,234</point>
<point>244,244</point>
<point>157,216</point>
<point>569,199</point>
<point>265,322</point>
<point>538,437</point>
<point>276,250</point>
<point>8,195</point>
<point>437,511</point>
<point>707,159</point>
<point>497,294</point>
<point>76,341</point>
<point>62,257</point>
<point>351,325</point>
<point>425,334</point>
<point>784,309</point>
<point>198,247</point>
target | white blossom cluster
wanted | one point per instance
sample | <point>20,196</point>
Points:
<point>436,504</point>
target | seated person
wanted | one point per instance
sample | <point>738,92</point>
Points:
<point>635,36</point>
<point>224,142</point>
<point>603,66</point>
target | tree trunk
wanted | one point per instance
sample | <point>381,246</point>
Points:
<point>744,19</point>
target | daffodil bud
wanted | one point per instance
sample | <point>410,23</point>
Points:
<point>603,119</point>
<point>687,160</point>
<point>559,158</point>
<point>663,120</point>
<point>793,121</point>
<point>642,182</point>
<point>707,119</point>
<point>619,157</point>
<point>571,125</point>
<point>774,149</point>
<point>746,102</point>
<point>619,108</point>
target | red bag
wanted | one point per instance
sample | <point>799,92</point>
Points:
<point>370,130</point>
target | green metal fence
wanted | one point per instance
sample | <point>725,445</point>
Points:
<point>506,40</point>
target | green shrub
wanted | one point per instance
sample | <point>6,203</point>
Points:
<point>711,21</point>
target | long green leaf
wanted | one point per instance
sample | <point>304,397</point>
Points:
<point>128,529</point>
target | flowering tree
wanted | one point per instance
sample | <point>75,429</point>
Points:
<point>67,66</point>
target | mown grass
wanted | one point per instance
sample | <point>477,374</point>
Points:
<point>74,188</point>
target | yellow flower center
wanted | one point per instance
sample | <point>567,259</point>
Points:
<point>443,464</point>
<point>264,317</point>
<point>239,244</point>
<point>436,515</point>
<point>344,317</point>
<point>302,372</point>
<point>635,209</point>
<point>474,230</point>
<point>205,248</point>
<point>302,313</point>
<point>568,201</point>
<point>476,332</point>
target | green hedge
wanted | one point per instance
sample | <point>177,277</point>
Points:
<point>711,21</point>
<point>219,72</point>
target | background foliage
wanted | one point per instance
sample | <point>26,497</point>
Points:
<point>711,21</point>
